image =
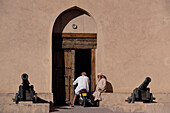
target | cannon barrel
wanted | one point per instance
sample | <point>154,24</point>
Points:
<point>26,92</point>
<point>25,79</point>
<point>145,83</point>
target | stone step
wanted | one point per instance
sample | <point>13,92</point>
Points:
<point>7,98</point>
<point>116,102</point>
<point>140,107</point>
<point>25,107</point>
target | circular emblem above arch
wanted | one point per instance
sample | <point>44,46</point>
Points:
<point>75,29</point>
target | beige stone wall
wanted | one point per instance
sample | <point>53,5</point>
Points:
<point>133,41</point>
<point>25,35</point>
<point>135,44</point>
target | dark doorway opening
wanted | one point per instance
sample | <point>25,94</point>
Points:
<point>72,54</point>
<point>82,62</point>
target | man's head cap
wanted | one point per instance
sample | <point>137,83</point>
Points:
<point>100,74</point>
<point>83,73</point>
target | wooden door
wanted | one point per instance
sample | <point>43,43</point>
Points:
<point>63,76</point>
<point>93,74</point>
<point>69,59</point>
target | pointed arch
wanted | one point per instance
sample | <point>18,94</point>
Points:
<point>68,15</point>
<point>67,44</point>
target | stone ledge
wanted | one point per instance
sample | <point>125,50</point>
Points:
<point>140,107</point>
<point>6,98</point>
<point>25,107</point>
<point>120,97</point>
<point>116,102</point>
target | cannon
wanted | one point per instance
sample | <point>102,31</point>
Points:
<point>142,93</point>
<point>26,92</point>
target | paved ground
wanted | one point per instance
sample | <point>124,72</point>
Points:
<point>79,109</point>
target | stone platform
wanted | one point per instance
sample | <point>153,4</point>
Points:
<point>25,107</point>
<point>140,107</point>
<point>117,103</point>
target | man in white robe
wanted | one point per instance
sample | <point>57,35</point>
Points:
<point>83,83</point>
<point>100,87</point>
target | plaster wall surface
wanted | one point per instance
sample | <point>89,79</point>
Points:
<point>132,42</point>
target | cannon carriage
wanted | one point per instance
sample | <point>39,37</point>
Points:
<point>26,92</point>
<point>142,93</point>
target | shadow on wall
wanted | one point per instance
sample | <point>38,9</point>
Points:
<point>109,88</point>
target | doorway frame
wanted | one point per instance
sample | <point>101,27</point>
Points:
<point>73,41</point>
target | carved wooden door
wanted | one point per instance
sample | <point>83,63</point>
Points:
<point>69,59</point>
<point>63,76</point>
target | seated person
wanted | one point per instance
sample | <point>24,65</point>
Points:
<point>100,87</point>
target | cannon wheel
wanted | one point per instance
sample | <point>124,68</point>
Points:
<point>16,99</point>
<point>129,100</point>
<point>151,99</point>
<point>133,98</point>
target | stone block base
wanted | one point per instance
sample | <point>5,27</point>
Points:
<point>6,98</point>
<point>25,107</point>
<point>140,107</point>
<point>116,102</point>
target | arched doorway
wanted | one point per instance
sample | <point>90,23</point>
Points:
<point>74,41</point>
